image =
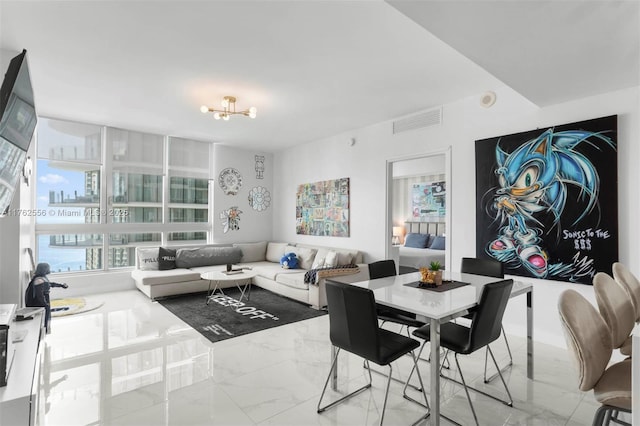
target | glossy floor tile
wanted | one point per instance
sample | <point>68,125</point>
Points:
<point>132,362</point>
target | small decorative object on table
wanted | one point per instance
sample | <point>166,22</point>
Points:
<point>431,276</point>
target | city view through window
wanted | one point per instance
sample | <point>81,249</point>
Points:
<point>101,192</point>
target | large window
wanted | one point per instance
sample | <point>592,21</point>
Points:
<point>101,192</point>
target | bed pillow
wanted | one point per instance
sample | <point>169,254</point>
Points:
<point>166,259</point>
<point>416,240</point>
<point>438,243</point>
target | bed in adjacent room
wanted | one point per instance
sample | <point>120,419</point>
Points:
<point>424,243</point>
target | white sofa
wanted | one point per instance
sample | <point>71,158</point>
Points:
<point>262,257</point>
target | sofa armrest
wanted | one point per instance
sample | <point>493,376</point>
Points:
<point>318,293</point>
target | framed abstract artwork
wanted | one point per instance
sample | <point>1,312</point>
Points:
<point>322,208</point>
<point>428,200</point>
<point>547,200</point>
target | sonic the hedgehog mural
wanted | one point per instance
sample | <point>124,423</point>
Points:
<point>547,200</point>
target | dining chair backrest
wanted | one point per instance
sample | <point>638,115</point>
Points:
<point>382,268</point>
<point>615,307</point>
<point>587,337</point>
<point>353,322</point>
<point>623,275</point>
<point>487,321</point>
<point>487,267</point>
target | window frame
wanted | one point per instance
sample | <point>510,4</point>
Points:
<point>107,226</point>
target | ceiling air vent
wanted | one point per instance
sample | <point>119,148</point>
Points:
<point>418,121</point>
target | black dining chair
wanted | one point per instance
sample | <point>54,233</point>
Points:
<point>489,268</point>
<point>353,326</point>
<point>484,329</point>
<point>387,268</point>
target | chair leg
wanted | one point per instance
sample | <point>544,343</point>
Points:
<point>509,364</point>
<point>422,388</point>
<point>606,414</point>
<point>464,384</point>
<point>333,366</point>
<point>508,403</point>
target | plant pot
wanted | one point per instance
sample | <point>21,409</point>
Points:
<point>437,277</point>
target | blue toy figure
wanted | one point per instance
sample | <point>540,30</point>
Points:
<point>37,294</point>
<point>289,261</point>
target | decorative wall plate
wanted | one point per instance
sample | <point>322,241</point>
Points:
<point>259,198</point>
<point>230,180</point>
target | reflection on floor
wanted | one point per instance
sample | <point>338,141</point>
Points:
<point>131,362</point>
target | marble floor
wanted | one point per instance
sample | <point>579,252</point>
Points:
<point>132,362</point>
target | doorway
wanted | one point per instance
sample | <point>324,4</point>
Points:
<point>418,229</point>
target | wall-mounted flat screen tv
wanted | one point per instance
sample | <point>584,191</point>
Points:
<point>17,124</point>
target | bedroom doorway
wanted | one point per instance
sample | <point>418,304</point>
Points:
<point>418,213</point>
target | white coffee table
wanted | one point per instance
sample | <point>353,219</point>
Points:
<point>242,281</point>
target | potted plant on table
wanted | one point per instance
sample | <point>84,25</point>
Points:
<point>436,269</point>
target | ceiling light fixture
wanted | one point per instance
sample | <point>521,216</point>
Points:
<point>229,109</point>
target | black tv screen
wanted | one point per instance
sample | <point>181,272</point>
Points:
<point>17,124</point>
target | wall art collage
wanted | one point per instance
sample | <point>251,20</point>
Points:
<point>322,208</point>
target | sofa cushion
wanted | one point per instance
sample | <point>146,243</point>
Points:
<point>271,270</point>
<point>293,280</point>
<point>204,256</point>
<point>166,258</point>
<point>147,258</point>
<point>275,251</point>
<point>170,276</point>
<point>252,252</point>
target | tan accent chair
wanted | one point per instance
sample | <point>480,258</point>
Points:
<point>589,343</point>
<point>623,275</point>
<point>617,310</point>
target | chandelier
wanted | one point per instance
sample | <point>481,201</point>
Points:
<point>228,109</point>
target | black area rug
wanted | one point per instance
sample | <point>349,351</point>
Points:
<point>224,317</point>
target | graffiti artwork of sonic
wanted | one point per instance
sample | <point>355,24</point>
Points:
<point>533,183</point>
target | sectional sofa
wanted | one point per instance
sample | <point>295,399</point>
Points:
<point>167,271</point>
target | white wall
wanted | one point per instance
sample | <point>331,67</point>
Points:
<point>254,225</point>
<point>463,123</point>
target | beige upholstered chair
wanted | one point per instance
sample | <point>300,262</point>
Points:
<point>617,310</point>
<point>622,274</point>
<point>589,342</point>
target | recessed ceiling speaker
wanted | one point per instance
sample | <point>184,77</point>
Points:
<point>488,99</point>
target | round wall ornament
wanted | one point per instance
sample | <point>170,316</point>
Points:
<point>259,198</point>
<point>230,180</point>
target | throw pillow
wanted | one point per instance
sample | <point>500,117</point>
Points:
<point>438,243</point>
<point>318,262</point>
<point>331,259</point>
<point>416,240</point>
<point>166,259</point>
<point>205,256</point>
<point>275,251</point>
<point>148,259</point>
<point>252,252</point>
<point>305,256</point>
<point>344,259</point>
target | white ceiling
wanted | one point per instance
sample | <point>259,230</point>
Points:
<point>312,68</point>
<point>548,51</point>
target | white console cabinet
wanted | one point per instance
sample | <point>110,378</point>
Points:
<point>19,398</point>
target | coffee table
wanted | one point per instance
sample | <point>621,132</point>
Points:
<point>242,281</point>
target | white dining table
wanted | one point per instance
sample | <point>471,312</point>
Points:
<point>436,308</point>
